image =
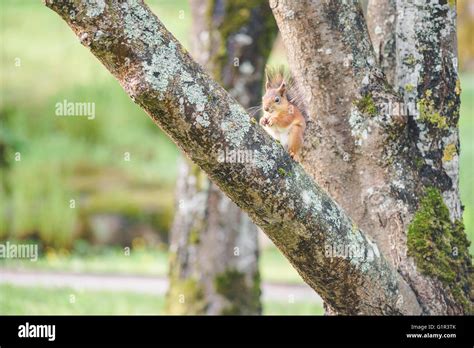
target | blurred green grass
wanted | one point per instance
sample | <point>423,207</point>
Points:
<point>56,301</point>
<point>140,261</point>
<point>62,158</point>
<point>108,260</point>
<point>16,300</point>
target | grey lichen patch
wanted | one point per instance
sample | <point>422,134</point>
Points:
<point>366,253</point>
<point>375,248</point>
<point>311,201</point>
<point>236,125</point>
<point>195,95</point>
<point>99,34</point>
<point>359,127</point>
<point>343,235</point>
<point>95,7</point>
<point>356,119</point>
<point>203,120</point>
<point>140,24</point>
<point>164,65</point>
<point>262,159</point>
<point>335,217</point>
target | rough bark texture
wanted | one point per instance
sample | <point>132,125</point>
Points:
<point>201,117</point>
<point>381,22</point>
<point>384,168</point>
<point>214,244</point>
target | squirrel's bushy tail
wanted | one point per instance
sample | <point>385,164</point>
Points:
<point>276,75</point>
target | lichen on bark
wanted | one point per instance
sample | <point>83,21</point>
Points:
<point>429,113</point>
<point>449,152</point>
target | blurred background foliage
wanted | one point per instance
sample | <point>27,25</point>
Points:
<point>50,163</point>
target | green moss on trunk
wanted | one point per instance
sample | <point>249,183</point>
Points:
<point>440,247</point>
<point>366,105</point>
<point>428,112</point>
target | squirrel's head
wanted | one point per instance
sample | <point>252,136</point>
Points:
<point>275,99</point>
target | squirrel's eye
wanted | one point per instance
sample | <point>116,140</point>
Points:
<point>277,99</point>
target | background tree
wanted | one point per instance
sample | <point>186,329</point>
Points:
<point>214,245</point>
<point>368,157</point>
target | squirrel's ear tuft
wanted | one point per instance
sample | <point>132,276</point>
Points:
<point>267,81</point>
<point>282,89</point>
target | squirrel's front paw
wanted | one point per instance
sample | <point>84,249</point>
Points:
<point>263,121</point>
<point>295,156</point>
<point>270,122</point>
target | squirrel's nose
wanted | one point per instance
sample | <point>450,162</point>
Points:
<point>266,108</point>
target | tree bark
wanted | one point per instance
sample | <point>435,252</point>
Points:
<point>395,173</point>
<point>381,22</point>
<point>214,245</point>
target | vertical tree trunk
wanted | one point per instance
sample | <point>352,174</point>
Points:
<point>425,74</point>
<point>427,78</point>
<point>395,174</point>
<point>381,22</point>
<point>214,246</point>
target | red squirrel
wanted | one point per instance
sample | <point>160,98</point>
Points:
<point>282,111</point>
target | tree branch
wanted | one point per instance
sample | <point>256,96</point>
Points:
<point>201,117</point>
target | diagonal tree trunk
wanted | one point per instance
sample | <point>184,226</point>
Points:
<point>214,245</point>
<point>277,193</point>
<point>395,175</point>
